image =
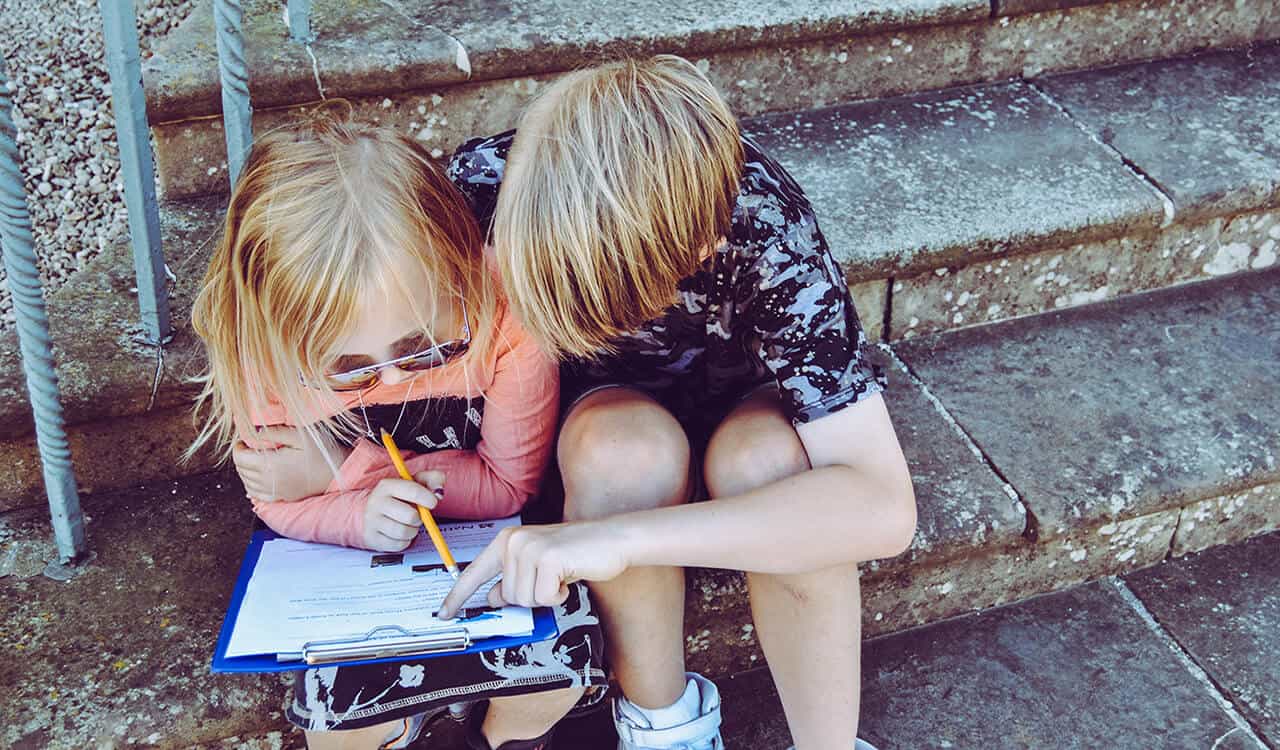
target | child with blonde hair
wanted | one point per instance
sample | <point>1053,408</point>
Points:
<point>710,349</point>
<point>349,294</point>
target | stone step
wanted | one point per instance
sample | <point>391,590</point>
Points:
<point>1199,675</point>
<point>1045,451</point>
<point>946,209</point>
<point>1001,200</point>
<point>1058,448</point>
<point>450,70</point>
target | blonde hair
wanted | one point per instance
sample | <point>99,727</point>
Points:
<point>319,221</point>
<point>620,179</point>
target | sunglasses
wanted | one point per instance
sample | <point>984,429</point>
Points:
<point>433,356</point>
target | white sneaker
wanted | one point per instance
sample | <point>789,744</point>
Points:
<point>702,733</point>
<point>857,745</point>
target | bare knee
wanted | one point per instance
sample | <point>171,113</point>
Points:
<point>353,739</point>
<point>550,704</point>
<point>620,452</point>
<point>749,453</point>
<point>523,717</point>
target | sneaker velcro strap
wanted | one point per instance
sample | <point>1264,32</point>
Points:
<point>700,729</point>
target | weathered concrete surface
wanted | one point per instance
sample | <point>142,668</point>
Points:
<point>1010,678</point>
<point>1076,669</point>
<point>1124,408</point>
<point>962,505</point>
<point>963,511</point>
<point>871,300</point>
<point>760,69</point>
<point>1228,519</point>
<point>106,454</point>
<point>922,594</point>
<point>1205,128</point>
<point>1015,7</point>
<point>102,371</point>
<point>1223,607</point>
<point>1084,272</point>
<point>119,655</point>
<point>372,48</point>
<point>106,377</point>
<point>954,177</point>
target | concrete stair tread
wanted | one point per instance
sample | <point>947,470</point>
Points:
<point>121,652</point>
<point>104,370</point>
<point>1203,128</point>
<point>446,71</point>
<point>1057,448</point>
<point>124,425</point>
<point>1124,408</point>
<point>370,49</point>
<point>913,183</point>
<point>918,182</point>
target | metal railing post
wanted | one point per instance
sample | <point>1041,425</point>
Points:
<point>237,114</point>
<point>18,249</point>
<point>137,169</point>
<point>298,13</point>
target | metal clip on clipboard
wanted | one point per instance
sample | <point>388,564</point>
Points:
<point>374,646</point>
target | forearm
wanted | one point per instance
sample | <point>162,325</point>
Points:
<point>819,518</point>
<point>475,486</point>
<point>336,518</point>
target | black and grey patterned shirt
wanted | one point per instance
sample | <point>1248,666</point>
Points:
<point>770,305</point>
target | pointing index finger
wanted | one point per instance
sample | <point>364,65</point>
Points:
<point>483,569</point>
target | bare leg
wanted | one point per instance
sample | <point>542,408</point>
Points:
<point>809,624</point>
<point>523,717</point>
<point>367,738</point>
<point>620,451</point>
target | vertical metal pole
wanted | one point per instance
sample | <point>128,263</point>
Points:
<point>137,170</point>
<point>298,13</point>
<point>33,340</point>
<point>228,19</point>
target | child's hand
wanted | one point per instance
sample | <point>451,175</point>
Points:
<point>391,518</point>
<point>295,469</point>
<point>537,563</point>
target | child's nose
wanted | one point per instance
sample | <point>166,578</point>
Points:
<point>393,375</point>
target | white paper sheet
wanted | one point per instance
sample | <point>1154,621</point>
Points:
<point>302,592</point>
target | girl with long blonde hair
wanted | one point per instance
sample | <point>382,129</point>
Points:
<point>350,294</point>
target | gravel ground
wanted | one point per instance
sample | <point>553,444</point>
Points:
<point>54,62</point>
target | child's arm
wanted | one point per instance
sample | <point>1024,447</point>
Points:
<point>856,504</point>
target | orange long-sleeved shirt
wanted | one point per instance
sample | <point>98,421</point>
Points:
<point>520,386</point>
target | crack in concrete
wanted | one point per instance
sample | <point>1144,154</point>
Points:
<point>315,71</point>
<point>1173,538</point>
<point>1166,200</point>
<point>1188,662</point>
<point>1031,531</point>
<point>461,59</point>
<point>887,316</point>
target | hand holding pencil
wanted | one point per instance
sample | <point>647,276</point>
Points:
<point>424,512</point>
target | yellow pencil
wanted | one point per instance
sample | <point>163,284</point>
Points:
<point>432,529</point>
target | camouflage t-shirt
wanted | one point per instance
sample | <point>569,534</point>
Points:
<point>770,305</point>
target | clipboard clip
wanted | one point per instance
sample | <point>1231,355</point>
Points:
<point>382,642</point>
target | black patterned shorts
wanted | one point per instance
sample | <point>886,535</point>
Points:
<point>327,698</point>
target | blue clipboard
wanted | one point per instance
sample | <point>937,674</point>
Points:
<point>544,627</point>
